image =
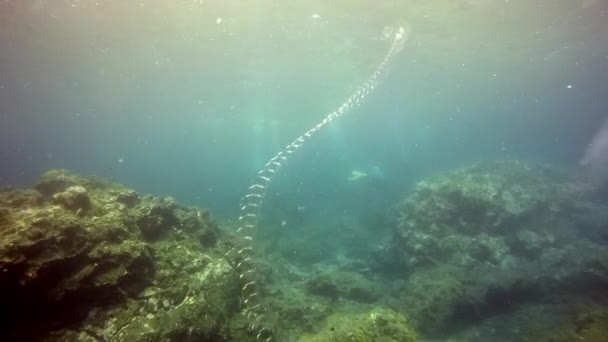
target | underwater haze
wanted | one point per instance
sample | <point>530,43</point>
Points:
<point>478,145</point>
<point>191,98</point>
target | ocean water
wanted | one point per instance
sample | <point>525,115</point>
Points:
<point>201,94</point>
<point>190,99</point>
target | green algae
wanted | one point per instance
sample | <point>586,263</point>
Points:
<point>492,238</point>
<point>103,263</point>
<point>107,264</point>
<point>380,325</point>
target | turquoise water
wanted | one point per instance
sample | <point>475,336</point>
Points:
<point>201,106</point>
<point>189,99</point>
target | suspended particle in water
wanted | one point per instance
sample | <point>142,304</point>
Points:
<point>387,32</point>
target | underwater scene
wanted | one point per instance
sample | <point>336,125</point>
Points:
<point>281,171</point>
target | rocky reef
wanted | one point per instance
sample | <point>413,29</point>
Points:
<point>494,239</point>
<point>336,305</point>
<point>376,325</point>
<point>505,251</point>
<point>82,259</point>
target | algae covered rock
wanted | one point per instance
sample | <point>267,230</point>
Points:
<point>486,240</point>
<point>432,297</point>
<point>377,325</point>
<point>129,198</point>
<point>53,260</point>
<point>298,312</point>
<point>344,284</point>
<point>55,181</point>
<point>188,308</point>
<point>21,198</point>
<point>82,259</point>
<point>158,219</point>
<point>472,215</point>
<point>74,198</point>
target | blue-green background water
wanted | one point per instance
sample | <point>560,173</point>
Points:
<point>190,98</point>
